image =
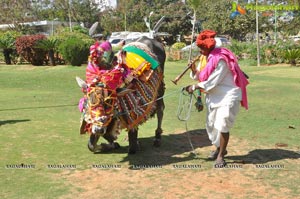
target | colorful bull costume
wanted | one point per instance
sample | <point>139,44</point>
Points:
<point>124,96</point>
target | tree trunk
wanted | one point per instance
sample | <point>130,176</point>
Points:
<point>293,62</point>
<point>6,53</point>
<point>51,58</point>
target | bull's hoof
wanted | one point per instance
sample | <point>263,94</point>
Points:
<point>134,148</point>
<point>103,147</point>
<point>156,142</point>
<point>91,147</point>
<point>116,145</point>
<point>131,151</point>
<point>106,147</point>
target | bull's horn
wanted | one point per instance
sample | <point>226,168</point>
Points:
<point>81,83</point>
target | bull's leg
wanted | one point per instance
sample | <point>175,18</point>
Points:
<point>159,114</point>
<point>112,145</point>
<point>133,142</point>
<point>92,143</point>
<point>93,147</point>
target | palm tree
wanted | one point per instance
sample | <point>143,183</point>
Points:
<point>292,55</point>
<point>7,44</point>
<point>50,45</point>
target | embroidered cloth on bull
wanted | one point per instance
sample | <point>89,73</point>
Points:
<point>139,57</point>
<point>138,106</point>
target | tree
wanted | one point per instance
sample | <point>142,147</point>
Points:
<point>7,43</point>
<point>130,15</point>
<point>7,47</point>
<point>49,45</point>
<point>292,27</point>
<point>218,19</point>
<point>84,11</point>
<point>16,13</point>
<point>80,11</point>
<point>178,19</point>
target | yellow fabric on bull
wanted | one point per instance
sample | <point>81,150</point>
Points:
<point>136,62</point>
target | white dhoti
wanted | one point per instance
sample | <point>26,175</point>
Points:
<point>220,120</point>
<point>222,99</point>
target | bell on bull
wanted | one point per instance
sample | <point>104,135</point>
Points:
<point>125,96</point>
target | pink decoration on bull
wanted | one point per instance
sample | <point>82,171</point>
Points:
<point>81,104</point>
<point>112,79</point>
<point>106,46</point>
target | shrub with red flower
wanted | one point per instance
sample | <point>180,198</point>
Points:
<point>25,46</point>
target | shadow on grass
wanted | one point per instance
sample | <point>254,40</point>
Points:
<point>260,156</point>
<point>37,107</point>
<point>175,148</point>
<point>12,121</point>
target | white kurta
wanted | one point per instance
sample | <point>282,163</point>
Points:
<point>222,100</point>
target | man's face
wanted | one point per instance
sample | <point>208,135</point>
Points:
<point>204,51</point>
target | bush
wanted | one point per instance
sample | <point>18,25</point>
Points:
<point>243,50</point>
<point>276,53</point>
<point>269,53</point>
<point>25,46</point>
<point>178,45</point>
<point>74,50</point>
<point>63,36</point>
<point>292,55</point>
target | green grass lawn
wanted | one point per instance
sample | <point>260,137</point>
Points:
<point>39,125</point>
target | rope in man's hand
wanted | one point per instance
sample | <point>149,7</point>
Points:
<point>184,112</point>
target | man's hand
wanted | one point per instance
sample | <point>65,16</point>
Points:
<point>190,88</point>
<point>193,68</point>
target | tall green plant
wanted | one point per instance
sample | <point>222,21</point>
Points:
<point>7,47</point>
<point>74,50</point>
<point>49,45</point>
<point>292,55</point>
<point>7,43</point>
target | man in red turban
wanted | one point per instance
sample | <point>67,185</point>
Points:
<point>225,86</point>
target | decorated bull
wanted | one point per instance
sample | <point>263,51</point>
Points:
<point>125,96</point>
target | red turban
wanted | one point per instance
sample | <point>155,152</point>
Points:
<point>206,39</point>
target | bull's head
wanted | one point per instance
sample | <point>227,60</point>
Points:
<point>100,108</point>
<point>99,112</point>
